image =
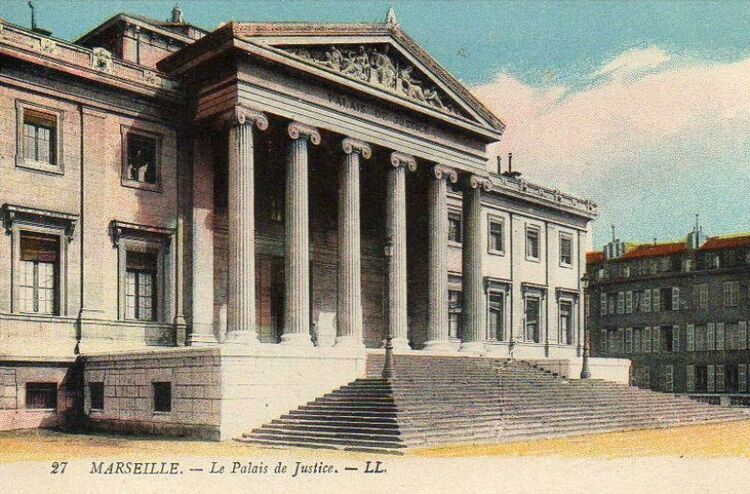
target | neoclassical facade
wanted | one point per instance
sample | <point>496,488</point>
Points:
<point>249,212</point>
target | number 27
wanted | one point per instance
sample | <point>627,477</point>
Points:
<point>58,467</point>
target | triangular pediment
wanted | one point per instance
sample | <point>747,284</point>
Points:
<point>381,58</point>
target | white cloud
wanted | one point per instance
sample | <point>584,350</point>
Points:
<point>626,139</point>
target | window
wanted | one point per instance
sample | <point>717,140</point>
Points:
<point>668,378</point>
<point>140,294</point>
<point>38,269</point>
<point>532,243</point>
<point>495,240</point>
<point>566,322</point>
<point>277,210</point>
<point>731,293</point>
<point>603,304</point>
<point>454,313</point>
<point>532,319</point>
<point>700,296</point>
<point>455,232</point>
<point>497,316</point>
<point>96,390</point>
<point>41,396</point>
<point>39,137</point>
<point>626,272</point>
<point>141,166</point>
<point>566,250</point>
<point>162,397</point>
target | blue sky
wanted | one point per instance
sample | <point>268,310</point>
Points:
<point>642,106</point>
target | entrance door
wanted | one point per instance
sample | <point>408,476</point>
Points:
<point>269,288</point>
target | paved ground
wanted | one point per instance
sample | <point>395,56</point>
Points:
<point>725,440</point>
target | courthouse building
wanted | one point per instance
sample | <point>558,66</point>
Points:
<point>678,310</point>
<point>223,224</point>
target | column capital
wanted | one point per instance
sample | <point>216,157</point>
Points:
<point>299,130</point>
<point>352,145</point>
<point>441,171</point>
<point>406,160</point>
<point>242,115</point>
<point>477,182</point>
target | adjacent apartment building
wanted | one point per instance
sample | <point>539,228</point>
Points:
<point>678,310</point>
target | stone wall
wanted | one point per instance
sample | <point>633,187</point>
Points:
<point>14,413</point>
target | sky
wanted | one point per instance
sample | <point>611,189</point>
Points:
<point>643,107</point>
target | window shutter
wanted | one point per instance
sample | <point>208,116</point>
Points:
<point>620,302</point>
<point>647,339</point>
<point>637,340</point>
<point>675,338</point>
<point>646,300</point>
<point>628,340</point>
<point>710,343</point>
<point>629,302</point>
<point>690,378</point>
<point>742,334</point>
<point>620,340</point>
<point>668,378</point>
<point>675,298</point>
<point>691,337</point>
<point>720,377</point>
<point>656,300</point>
<point>710,378</point>
<point>603,304</point>
<point>720,336</point>
<point>742,377</point>
<point>656,347</point>
<point>603,341</point>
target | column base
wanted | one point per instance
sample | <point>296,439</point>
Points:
<point>440,345</point>
<point>202,340</point>
<point>296,339</point>
<point>349,342</point>
<point>471,347</point>
<point>399,345</point>
<point>242,337</point>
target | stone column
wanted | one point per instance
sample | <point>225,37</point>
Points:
<point>241,225</point>
<point>297,238</point>
<point>202,244</point>
<point>437,252</point>
<point>396,240</point>
<point>349,317</point>
<point>472,339</point>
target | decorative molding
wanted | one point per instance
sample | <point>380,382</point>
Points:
<point>569,292</point>
<point>503,284</point>
<point>120,229</point>
<point>378,66</point>
<point>352,145</point>
<point>242,115</point>
<point>528,286</point>
<point>442,171</point>
<point>12,213</point>
<point>101,59</point>
<point>476,182</point>
<point>402,159</point>
<point>47,45</point>
<point>297,130</point>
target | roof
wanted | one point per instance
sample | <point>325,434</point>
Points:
<point>655,250</point>
<point>726,242</point>
<point>594,257</point>
<point>165,28</point>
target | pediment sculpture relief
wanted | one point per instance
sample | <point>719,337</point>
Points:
<point>376,65</point>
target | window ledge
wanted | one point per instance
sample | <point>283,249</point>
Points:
<point>496,252</point>
<point>533,259</point>
<point>40,166</point>
<point>566,266</point>
<point>135,184</point>
<point>453,243</point>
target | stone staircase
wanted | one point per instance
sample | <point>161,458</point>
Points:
<point>439,400</point>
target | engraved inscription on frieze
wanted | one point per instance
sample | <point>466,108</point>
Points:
<point>377,65</point>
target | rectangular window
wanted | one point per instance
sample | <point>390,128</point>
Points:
<point>277,210</point>
<point>532,319</point>
<point>602,304</point>
<point>497,316</point>
<point>731,293</point>
<point>656,300</point>
<point>637,340</point>
<point>566,322</point>
<point>628,302</point>
<point>41,396</point>
<point>656,335</point>
<point>620,302</point>
<point>96,390</point>
<point>454,313</point>
<point>39,273</point>
<point>675,298</point>
<point>719,336</point>
<point>532,243</point>
<point>742,335</point>
<point>646,300</point>
<point>141,158</point>
<point>566,250</point>
<point>455,231</point>
<point>690,378</point>
<point>162,396</point>
<point>39,137</point>
<point>495,237</point>
<point>603,341</point>
<point>700,296</point>
<point>675,338</point>
<point>720,378</point>
<point>669,378</point>
<point>611,302</point>
<point>710,378</point>
<point>710,341</point>
<point>140,286</point>
<point>690,337</point>
<point>742,378</point>
<point>647,340</point>
<point>628,340</point>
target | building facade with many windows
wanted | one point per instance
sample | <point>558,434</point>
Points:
<point>678,310</point>
<point>260,205</point>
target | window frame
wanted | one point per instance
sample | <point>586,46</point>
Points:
<point>564,236</point>
<point>56,392</point>
<point>456,313</point>
<point>456,214</point>
<point>495,287</point>
<point>56,168</point>
<point>539,299</point>
<point>155,385</point>
<point>91,385</point>
<point>125,132</point>
<point>536,229</point>
<point>500,221</point>
<point>571,302</point>
<point>36,285</point>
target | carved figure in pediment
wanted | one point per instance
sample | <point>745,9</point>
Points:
<point>357,64</point>
<point>333,58</point>
<point>383,68</point>
<point>410,86</point>
<point>432,97</point>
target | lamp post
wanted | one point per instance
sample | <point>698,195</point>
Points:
<point>388,368</point>
<point>585,372</point>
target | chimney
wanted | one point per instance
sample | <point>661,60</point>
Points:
<point>34,27</point>
<point>510,163</point>
<point>499,165</point>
